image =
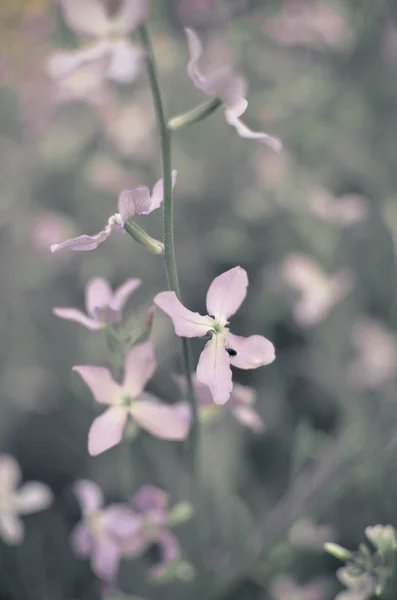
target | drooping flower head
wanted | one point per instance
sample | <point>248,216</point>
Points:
<point>101,531</point>
<point>104,307</point>
<point>225,295</point>
<point>229,87</point>
<point>29,498</point>
<point>137,201</point>
<point>111,38</point>
<point>129,401</point>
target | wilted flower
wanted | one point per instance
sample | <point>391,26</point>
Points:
<point>128,400</point>
<point>240,404</point>
<point>224,297</point>
<point>111,33</point>
<point>103,306</point>
<point>344,211</point>
<point>361,587</point>
<point>229,87</point>
<point>100,533</point>
<point>318,293</point>
<point>137,201</point>
<point>30,498</point>
<point>151,510</point>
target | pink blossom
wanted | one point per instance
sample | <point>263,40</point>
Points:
<point>137,201</point>
<point>30,498</point>
<point>344,211</point>
<point>111,35</point>
<point>128,400</point>
<point>240,404</point>
<point>103,306</point>
<point>229,87</point>
<point>101,531</point>
<point>225,295</point>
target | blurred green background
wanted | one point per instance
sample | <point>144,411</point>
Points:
<point>322,77</point>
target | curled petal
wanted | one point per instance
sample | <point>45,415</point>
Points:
<point>139,366</point>
<point>10,473</point>
<point>72,314</point>
<point>122,293</point>
<point>97,293</point>
<point>84,243</point>
<point>106,430</point>
<point>213,369</point>
<point>101,384</point>
<point>169,549</point>
<point>232,118</point>
<point>251,352</point>
<point>130,15</point>
<point>105,558</point>
<point>88,17</point>
<point>158,192</point>
<point>33,497</point>
<point>134,202</point>
<point>126,62</point>
<point>89,495</point>
<point>226,293</point>
<point>81,540</point>
<point>195,52</point>
<point>11,529</point>
<point>186,323</point>
<point>161,420</point>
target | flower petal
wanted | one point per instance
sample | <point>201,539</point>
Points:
<point>63,63</point>
<point>186,323</point>
<point>158,192</point>
<point>100,382</point>
<point>105,558</point>
<point>213,369</point>
<point>126,61</point>
<point>195,51</point>
<point>151,498</point>
<point>33,497</point>
<point>122,293</point>
<point>226,293</point>
<point>106,430</point>
<point>10,473</point>
<point>88,17</point>
<point>122,521</point>
<point>81,539</point>
<point>89,495</point>
<point>248,417</point>
<point>130,15</point>
<point>232,118</point>
<point>139,366</point>
<point>84,243</point>
<point>252,352</point>
<point>72,314</point>
<point>98,293</point>
<point>11,529</point>
<point>161,420</point>
<point>134,202</point>
<point>169,549</point>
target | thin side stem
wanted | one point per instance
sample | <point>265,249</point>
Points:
<point>195,115</point>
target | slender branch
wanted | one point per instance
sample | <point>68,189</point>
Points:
<point>195,115</point>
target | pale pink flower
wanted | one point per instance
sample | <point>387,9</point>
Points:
<point>229,87</point>
<point>29,498</point>
<point>137,201</point>
<point>318,292</point>
<point>240,404</point>
<point>360,587</point>
<point>104,307</point>
<point>225,295</point>
<point>286,588</point>
<point>111,34</point>
<point>101,531</point>
<point>150,506</point>
<point>128,400</point>
<point>344,211</point>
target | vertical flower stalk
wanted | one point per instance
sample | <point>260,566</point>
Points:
<point>168,236</point>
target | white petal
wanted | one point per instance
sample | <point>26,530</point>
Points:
<point>125,62</point>
<point>122,293</point>
<point>33,497</point>
<point>84,243</point>
<point>186,323</point>
<point>251,352</point>
<point>63,63</point>
<point>107,430</point>
<point>97,293</point>
<point>161,420</point>
<point>213,369</point>
<point>87,17</point>
<point>100,381</point>
<point>246,133</point>
<point>134,202</point>
<point>131,14</point>
<point>89,495</point>
<point>72,314</point>
<point>11,529</point>
<point>158,192</point>
<point>247,416</point>
<point>10,473</point>
<point>226,293</point>
<point>139,366</point>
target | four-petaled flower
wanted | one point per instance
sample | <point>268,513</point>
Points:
<point>128,400</point>
<point>103,306</point>
<point>229,87</point>
<point>101,531</point>
<point>137,201</point>
<point>30,498</point>
<point>224,297</point>
<point>111,35</point>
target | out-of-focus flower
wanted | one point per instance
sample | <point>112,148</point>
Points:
<point>47,229</point>
<point>360,587</point>
<point>286,588</point>
<point>383,537</point>
<point>240,404</point>
<point>375,360</point>
<point>101,531</point>
<point>30,498</point>
<point>128,400</point>
<point>133,202</point>
<point>306,534</point>
<point>304,23</point>
<point>103,306</point>
<point>150,505</point>
<point>344,211</point>
<point>130,129</point>
<point>85,83</point>
<point>318,293</point>
<point>111,32</point>
<point>225,295</point>
<point>229,87</point>
<point>196,10</point>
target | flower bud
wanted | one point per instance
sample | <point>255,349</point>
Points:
<point>338,551</point>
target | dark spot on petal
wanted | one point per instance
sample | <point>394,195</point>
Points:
<point>231,352</point>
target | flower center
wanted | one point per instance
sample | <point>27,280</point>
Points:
<point>127,401</point>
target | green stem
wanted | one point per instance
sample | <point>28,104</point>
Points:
<point>195,115</point>
<point>168,237</point>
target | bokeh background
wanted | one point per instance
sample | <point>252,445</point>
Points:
<point>316,230</point>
